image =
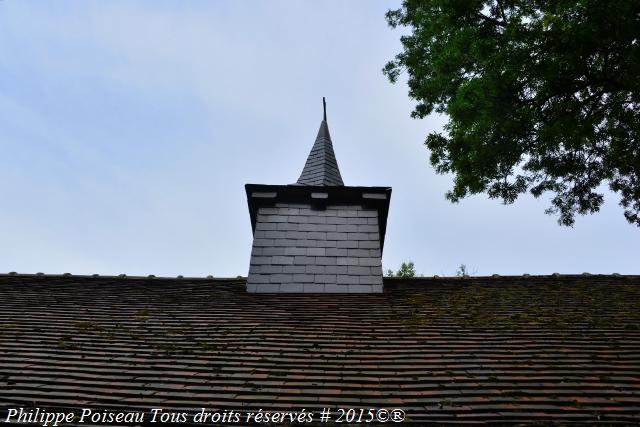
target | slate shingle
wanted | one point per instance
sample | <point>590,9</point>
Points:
<point>309,247</point>
<point>321,167</point>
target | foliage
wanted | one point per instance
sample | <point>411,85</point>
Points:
<point>462,271</point>
<point>407,269</point>
<point>541,97</point>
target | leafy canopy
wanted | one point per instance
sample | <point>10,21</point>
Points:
<point>407,269</point>
<point>542,96</point>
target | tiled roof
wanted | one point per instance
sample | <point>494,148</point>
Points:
<point>545,348</point>
<point>321,167</point>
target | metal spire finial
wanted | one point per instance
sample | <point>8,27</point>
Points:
<point>324,107</point>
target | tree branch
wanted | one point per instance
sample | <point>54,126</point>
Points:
<point>504,17</point>
<point>490,20</point>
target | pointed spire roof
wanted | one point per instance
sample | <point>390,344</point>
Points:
<point>321,167</point>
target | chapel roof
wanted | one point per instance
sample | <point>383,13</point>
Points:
<point>562,348</point>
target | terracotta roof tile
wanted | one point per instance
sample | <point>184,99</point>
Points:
<point>507,349</point>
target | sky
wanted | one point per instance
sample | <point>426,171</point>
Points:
<point>128,130</point>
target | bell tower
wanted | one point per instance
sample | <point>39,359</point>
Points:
<point>317,235</point>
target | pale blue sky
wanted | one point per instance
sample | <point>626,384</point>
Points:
<point>128,130</point>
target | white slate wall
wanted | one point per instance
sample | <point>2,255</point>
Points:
<point>299,249</point>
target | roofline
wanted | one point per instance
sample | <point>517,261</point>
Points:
<point>122,276</point>
<point>302,187</point>
<point>408,280</point>
<point>512,277</point>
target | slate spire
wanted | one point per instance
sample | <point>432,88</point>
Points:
<point>321,167</point>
